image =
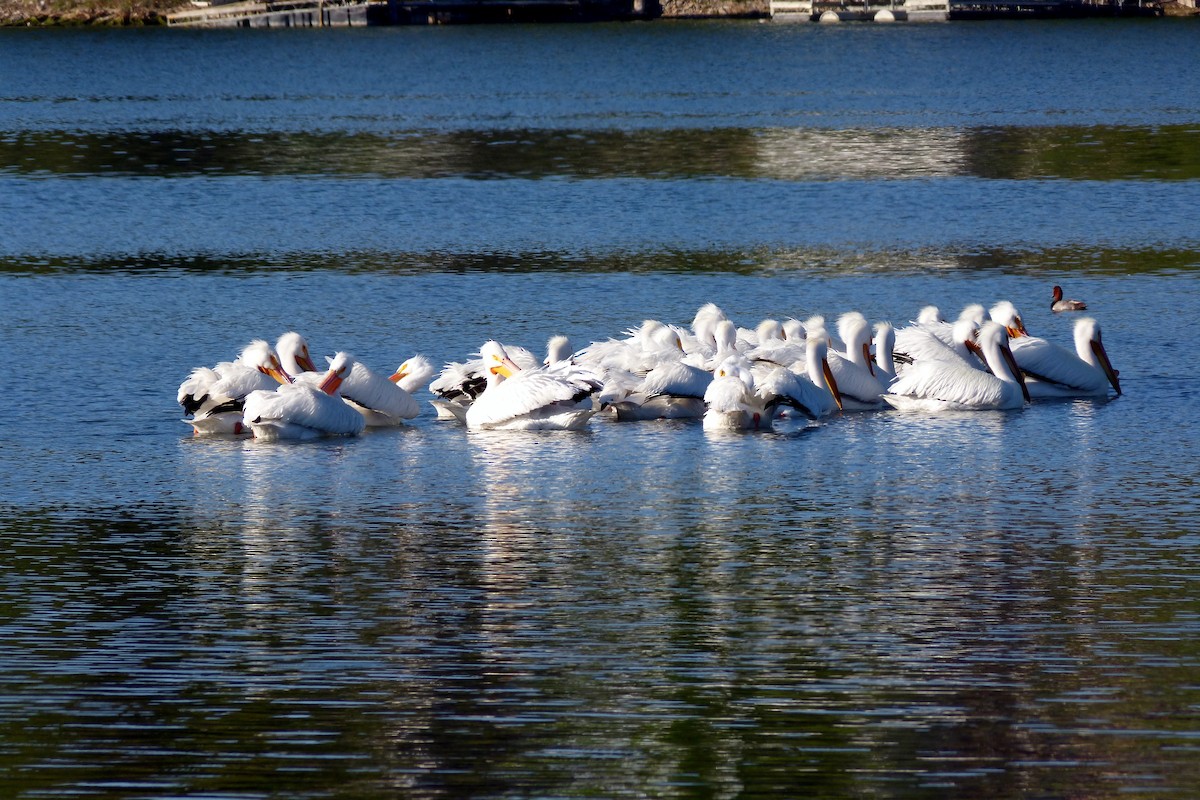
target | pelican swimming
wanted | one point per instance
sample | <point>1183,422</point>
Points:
<point>1053,371</point>
<point>730,401</point>
<point>381,401</point>
<point>704,325</point>
<point>530,399</point>
<point>293,354</point>
<point>413,373</point>
<point>936,385</point>
<point>1007,315</point>
<point>671,390</point>
<point>459,383</point>
<point>813,392</point>
<point>861,390</point>
<point>1059,304</point>
<point>303,411</point>
<point>885,345</point>
<point>650,344</point>
<point>214,397</point>
<point>914,344</point>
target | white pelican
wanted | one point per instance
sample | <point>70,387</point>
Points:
<point>1054,371</point>
<point>885,345</point>
<point>793,330</point>
<point>381,401</point>
<point>413,374</point>
<point>1059,304</point>
<point>671,390</point>
<point>934,385</point>
<point>730,401</point>
<point>929,315</point>
<point>814,394</point>
<point>705,322</point>
<point>930,320</point>
<point>1007,315</point>
<point>724,336</point>
<point>303,411</point>
<point>558,351</point>
<point>214,397</point>
<point>915,344</point>
<point>293,354</point>
<point>861,390</point>
<point>651,344</point>
<point>530,399</point>
<point>459,383</point>
<point>768,330</point>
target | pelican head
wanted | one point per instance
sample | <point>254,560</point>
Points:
<point>496,361</point>
<point>1089,348</point>
<point>769,329</point>
<point>558,350</point>
<point>930,315</point>
<point>855,331</point>
<point>706,319</point>
<point>664,338</point>
<point>261,356</point>
<point>293,353</point>
<point>964,332</point>
<point>339,368</point>
<point>975,312</point>
<point>735,366</point>
<point>415,370</point>
<point>793,330</point>
<point>725,336</point>
<point>1007,315</point>
<point>885,336</point>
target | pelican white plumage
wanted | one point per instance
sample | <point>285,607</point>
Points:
<point>1057,303</point>
<point>530,399</point>
<point>861,390</point>
<point>413,373</point>
<point>1007,315</point>
<point>930,321</point>
<point>724,337</point>
<point>730,401</point>
<point>814,394</point>
<point>885,344</point>
<point>704,324</point>
<point>558,351</point>
<point>929,315</point>
<point>1053,371</point>
<point>915,344</point>
<point>381,401</point>
<point>793,330</point>
<point>215,397</point>
<point>302,411</point>
<point>671,390</point>
<point>293,354</point>
<point>936,385</point>
<point>460,383</point>
<point>642,349</point>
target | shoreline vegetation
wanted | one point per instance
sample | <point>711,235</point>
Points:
<point>67,13</point>
<point>135,13</point>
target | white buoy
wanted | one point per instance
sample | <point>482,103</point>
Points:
<point>885,16</point>
<point>829,16</point>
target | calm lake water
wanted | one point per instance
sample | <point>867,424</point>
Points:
<point>989,605</point>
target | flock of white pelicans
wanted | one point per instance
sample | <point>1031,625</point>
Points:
<point>732,378</point>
